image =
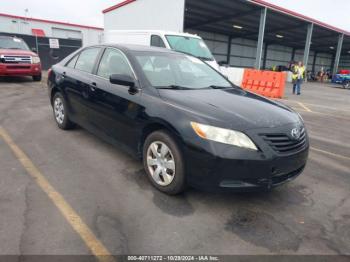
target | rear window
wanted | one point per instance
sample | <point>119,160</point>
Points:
<point>72,62</point>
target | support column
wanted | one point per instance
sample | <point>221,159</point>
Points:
<point>310,29</point>
<point>314,62</point>
<point>229,50</point>
<point>293,54</point>
<point>337,55</point>
<point>265,56</point>
<point>261,38</point>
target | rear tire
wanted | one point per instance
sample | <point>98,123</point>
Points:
<point>37,78</point>
<point>60,112</point>
<point>163,163</point>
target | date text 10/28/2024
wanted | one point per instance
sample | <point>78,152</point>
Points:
<point>173,258</point>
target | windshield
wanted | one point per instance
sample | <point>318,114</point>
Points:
<point>176,71</point>
<point>13,43</point>
<point>190,45</point>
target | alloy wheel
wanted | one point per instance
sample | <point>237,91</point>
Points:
<point>59,110</point>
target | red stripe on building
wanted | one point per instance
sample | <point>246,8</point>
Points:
<point>50,21</point>
<point>124,3</point>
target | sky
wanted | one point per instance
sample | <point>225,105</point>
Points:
<point>89,12</point>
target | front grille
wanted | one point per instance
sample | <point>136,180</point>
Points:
<point>15,59</point>
<point>284,144</point>
<point>17,67</point>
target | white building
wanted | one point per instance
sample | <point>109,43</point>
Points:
<point>33,26</point>
<point>251,33</point>
<point>167,15</point>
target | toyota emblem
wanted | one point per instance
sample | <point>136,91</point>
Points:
<point>295,133</point>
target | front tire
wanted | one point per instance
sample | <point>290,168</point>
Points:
<point>163,163</point>
<point>60,112</point>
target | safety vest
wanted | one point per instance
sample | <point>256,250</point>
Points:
<point>298,70</point>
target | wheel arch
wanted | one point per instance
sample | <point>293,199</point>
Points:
<point>54,90</point>
<point>156,126</point>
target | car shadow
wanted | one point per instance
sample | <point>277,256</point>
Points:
<point>15,79</point>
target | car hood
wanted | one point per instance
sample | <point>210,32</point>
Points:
<point>230,108</point>
<point>16,52</point>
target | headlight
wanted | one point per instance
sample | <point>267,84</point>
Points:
<point>224,136</point>
<point>35,60</point>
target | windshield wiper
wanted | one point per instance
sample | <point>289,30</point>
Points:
<point>219,87</point>
<point>205,58</point>
<point>174,87</point>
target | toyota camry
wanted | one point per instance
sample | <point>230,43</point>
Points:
<point>186,121</point>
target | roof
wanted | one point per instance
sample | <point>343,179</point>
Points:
<point>50,21</point>
<point>139,48</point>
<point>298,15</point>
<point>160,32</point>
<point>241,19</point>
<point>123,3</point>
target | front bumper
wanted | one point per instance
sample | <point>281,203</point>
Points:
<point>214,166</point>
<point>20,69</point>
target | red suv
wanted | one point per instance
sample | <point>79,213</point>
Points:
<point>16,59</point>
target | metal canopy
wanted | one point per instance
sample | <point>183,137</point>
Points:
<point>219,16</point>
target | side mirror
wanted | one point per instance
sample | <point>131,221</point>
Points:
<point>123,80</point>
<point>34,49</point>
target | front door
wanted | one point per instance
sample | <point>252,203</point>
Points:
<point>115,110</point>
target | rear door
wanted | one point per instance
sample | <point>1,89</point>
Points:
<point>79,83</point>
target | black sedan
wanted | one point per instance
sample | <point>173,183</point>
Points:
<point>186,121</point>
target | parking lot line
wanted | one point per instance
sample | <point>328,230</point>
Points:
<point>320,113</point>
<point>304,106</point>
<point>96,247</point>
<point>329,153</point>
<point>315,105</point>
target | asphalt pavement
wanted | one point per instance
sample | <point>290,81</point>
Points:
<point>98,187</point>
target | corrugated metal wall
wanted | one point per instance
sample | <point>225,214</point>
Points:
<point>243,53</point>
<point>344,62</point>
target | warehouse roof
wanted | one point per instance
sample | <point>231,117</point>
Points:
<point>240,18</point>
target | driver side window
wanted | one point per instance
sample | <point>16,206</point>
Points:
<point>114,62</point>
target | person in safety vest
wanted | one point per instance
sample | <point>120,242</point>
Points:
<point>298,77</point>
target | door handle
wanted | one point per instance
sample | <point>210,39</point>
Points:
<point>93,86</point>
